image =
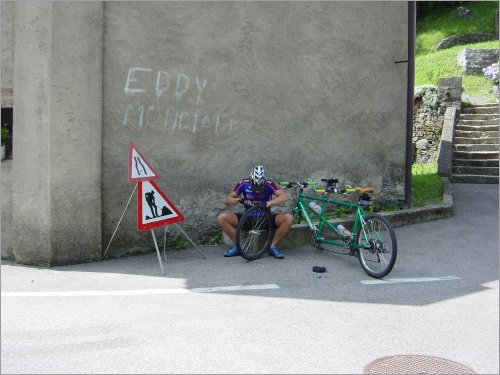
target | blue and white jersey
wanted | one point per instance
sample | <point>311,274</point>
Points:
<point>244,187</point>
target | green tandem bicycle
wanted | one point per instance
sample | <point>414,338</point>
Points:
<point>372,239</point>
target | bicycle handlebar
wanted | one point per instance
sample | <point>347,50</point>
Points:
<point>330,188</point>
<point>253,203</point>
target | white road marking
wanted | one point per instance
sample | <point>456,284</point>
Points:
<point>409,280</point>
<point>233,288</point>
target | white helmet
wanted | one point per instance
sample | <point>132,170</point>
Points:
<point>258,177</point>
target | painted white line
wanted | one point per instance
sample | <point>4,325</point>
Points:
<point>409,280</point>
<point>235,288</point>
<point>137,292</point>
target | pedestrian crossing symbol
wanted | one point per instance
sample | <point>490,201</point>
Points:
<point>138,168</point>
<point>154,209</point>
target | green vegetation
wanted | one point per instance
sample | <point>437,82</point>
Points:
<point>177,243</point>
<point>431,65</point>
<point>5,136</point>
<point>427,186</point>
<point>217,238</point>
<point>443,22</point>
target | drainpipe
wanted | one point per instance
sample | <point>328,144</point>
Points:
<point>409,102</point>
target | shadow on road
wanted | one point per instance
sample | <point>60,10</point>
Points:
<point>465,247</point>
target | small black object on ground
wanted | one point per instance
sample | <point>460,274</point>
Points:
<point>319,269</point>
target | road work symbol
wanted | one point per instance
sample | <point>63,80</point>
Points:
<point>154,208</point>
<point>138,168</point>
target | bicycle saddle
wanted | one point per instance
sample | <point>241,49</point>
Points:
<point>330,181</point>
<point>363,190</point>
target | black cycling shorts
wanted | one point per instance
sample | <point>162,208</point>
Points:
<point>248,224</point>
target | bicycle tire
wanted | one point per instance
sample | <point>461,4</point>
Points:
<point>254,233</point>
<point>380,259</point>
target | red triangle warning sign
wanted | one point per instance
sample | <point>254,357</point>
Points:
<point>138,168</point>
<point>153,207</point>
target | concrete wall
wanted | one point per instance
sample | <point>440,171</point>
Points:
<point>7,15</point>
<point>56,174</point>
<point>7,65</point>
<point>204,91</point>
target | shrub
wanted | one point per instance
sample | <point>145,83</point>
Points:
<point>491,72</point>
<point>5,136</point>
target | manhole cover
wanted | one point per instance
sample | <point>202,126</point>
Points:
<point>415,364</point>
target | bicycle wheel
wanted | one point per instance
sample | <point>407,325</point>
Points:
<point>379,259</point>
<point>254,233</point>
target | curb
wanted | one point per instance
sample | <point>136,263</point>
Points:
<point>300,234</point>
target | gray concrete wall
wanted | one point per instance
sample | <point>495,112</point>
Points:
<point>31,138</point>
<point>7,14</point>
<point>76,125</point>
<point>7,64</point>
<point>206,90</point>
<point>56,174</point>
<point>7,238</point>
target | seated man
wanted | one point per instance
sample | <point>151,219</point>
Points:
<point>256,188</point>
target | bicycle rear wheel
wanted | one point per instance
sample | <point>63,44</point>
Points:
<point>254,233</point>
<point>379,259</point>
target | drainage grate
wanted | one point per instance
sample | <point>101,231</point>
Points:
<point>415,364</point>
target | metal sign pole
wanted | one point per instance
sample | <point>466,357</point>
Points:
<point>157,251</point>
<point>165,244</point>
<point>131,195</point>
<point>196,247</point>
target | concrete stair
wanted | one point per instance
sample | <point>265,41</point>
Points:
<point>475,145</point>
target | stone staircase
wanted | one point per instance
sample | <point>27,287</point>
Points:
<point>475,145</point>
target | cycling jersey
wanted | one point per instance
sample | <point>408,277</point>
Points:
<point>245,187</point>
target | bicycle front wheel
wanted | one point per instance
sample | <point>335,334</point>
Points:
<point>254,233</point>
<point>378,234</point>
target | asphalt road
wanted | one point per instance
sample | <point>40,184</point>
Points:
<point>226,315</point>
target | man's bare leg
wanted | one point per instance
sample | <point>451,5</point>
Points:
<point>283,225</point>
<point>228,222</point>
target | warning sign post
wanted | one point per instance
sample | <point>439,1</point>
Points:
<point>154,209</point>
<point>138,167</point>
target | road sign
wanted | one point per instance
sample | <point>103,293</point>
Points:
<point>153,207</point>
<point>138,168</point>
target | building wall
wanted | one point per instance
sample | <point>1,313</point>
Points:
<point>207,90</point>
<point>7,14</point>
<point>56,166</point>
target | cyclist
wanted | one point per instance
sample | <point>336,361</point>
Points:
<point>256,188</point>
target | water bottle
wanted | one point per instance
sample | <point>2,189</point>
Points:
<point>316,207</point>
<point>344,231</point>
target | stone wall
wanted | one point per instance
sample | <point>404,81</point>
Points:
<point>430,104</point>
<point>474,60</point>
<point>427,124</point>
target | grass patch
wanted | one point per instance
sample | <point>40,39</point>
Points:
<point>433,28</point>
<point>427,186</point>
<point>177,243</point>
<point>430,68</point>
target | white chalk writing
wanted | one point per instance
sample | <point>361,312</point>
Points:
<point>131,78</point>
<point>201,87</point>
<point>162,83</point>
<point>156,116</point>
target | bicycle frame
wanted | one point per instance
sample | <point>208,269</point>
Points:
<point>305,211</point>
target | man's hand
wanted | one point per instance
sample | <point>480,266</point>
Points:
<point>263,205</point>
<point>245,201</point>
